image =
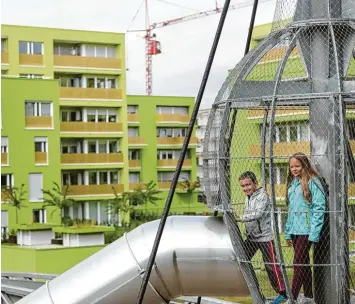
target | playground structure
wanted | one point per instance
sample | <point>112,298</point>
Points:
<point>294,92</point>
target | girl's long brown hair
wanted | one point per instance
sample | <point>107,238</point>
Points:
<point>307,173</point>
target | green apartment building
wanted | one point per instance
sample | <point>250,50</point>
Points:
<point>66,119</point>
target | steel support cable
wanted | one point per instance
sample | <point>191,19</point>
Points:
<point>182,155</point>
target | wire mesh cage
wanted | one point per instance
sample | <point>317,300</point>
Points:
<point>290,105</point>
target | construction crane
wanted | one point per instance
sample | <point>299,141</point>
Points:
<point>153,46</point>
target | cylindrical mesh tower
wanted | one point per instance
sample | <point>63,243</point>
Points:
<point>295,92</point>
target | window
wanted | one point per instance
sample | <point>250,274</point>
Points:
<point>102,146</point>
<point>3,44</point>
<point>67,49</point>
<point>36,108</point>
<point>7,181</point>
<point>41,144</point>
<point>97,115</point>
<point>71,147</point>
<point>290,132</point>
<point>133,154</point>
<point>69,81</point>
<point>172,110</point>
<point>32,76</point>
<point>103,177</point>
<point>4,144</point>
<point>35,183</point>
<point>4,224</point>
<point>26,47</point>
<point>171,132</point>
<point>72,178</point>
<point>132,109</point>
<point>168,176</point>
<point>101,82</point>
<point>39,216</point>
<point>280,174</point>
<point>133,132</point>
<point>172,154</point>
<point>70,115</point>
<point>101,51</point>
<point>134,178</point>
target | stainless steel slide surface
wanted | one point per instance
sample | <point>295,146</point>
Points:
<point>195,257</point>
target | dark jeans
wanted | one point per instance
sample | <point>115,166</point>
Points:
<point>268,252</point>
<point>302,274</point>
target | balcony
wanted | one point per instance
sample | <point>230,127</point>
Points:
<point>259,113</point>
<point>86,62</point>
<point>135,186</point>
<point>166,186</point>
<point>4,159</point>
<point>171,163</point>
<point>136,141</point>
<point>38,122</point>
<point>91,158</point>
<point>133,118</point>
<point>87,190</point>
<point>173,118</point>
<point>134,163</point>
<point>41,158</point>
<point>172,141</point>
<point>88,127</point>
<point>4,58</point>
<point>280,190</point>
<point>27,59</point>
<point>281,149</point>
<point>5,196</point>
<point>89,93</point>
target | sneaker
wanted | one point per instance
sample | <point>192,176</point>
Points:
<point>279,299</point>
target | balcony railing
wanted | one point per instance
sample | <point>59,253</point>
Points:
<point>133,118</point>
<point>134,163</point>
<point>91,158</point>
<point>41,158</point>
<point>136,140</point>
<point>259,113</point>
<point>86,62</point>
<point>173,118</point>
<point>89,93</point>
<point>4,57</point>
<point>31,59</point>
<point>281,149</point>
<point>97,127</point>
<point>135,186</point>
<point>173,163</point>
<point>86,190</point>
<point>4,158</point>
<point>38,122</point>
<point>174,140</point>
<point>166,185</point>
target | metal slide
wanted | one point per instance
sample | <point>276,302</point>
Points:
<point>195,257</point>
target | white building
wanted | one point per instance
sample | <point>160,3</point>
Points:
<point>202,118</point>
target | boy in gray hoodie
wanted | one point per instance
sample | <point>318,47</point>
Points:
<point>257,219</point>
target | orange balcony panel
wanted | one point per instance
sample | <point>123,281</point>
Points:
<point>135,186</point>
<point>77,190</point>
<point>27,59</point>
<point>134,163</point>
<point>4,159</point>
<point>173,118</point>
<point>113,127</point>
<point>5,197</point>
<point>133,117</point>
<point>87,62</point>
<point>259,112</point>
<point>281,149</point>
<point>91,158</point>
<point>90,93</point>
<point>174,140</point>
<point>41,158</point>
<point>280,190</point>
<point>38,122</point>
<point>136,140</point>
<point>166,185</point>
<point>173,163</point>
<point>4,57</point>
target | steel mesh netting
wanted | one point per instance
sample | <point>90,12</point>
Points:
<point>292,93</point>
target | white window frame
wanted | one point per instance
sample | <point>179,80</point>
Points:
<point>42,215</point>
<point>5,146</point>
<point>86,176</point>
<point>95,50</point>
<point>38,107</point>
<point>33,199</point>
<point>44,143</point>
<point>96,82</point>
<point>97,142</point>
<point>133,128</point>
<point>10,181</point>
<point>298,125</point>
<point>30,47</point>
<point>32,76</point>
<point>173,109</point>
<point>133,108</point>
<point>136,177</point>
<point>130,154</point>
<point>97,112</point>
<point>80,178</point>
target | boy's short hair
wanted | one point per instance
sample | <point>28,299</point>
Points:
<point>249,174</point>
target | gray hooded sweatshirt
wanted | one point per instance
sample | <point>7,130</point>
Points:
<point>257,217</point>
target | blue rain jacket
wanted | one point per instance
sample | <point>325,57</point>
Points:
<point>304,218</point>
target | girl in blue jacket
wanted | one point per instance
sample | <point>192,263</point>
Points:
<point>306,207</point>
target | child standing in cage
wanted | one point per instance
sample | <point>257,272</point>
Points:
<point>257,219</point>
<point>306,206</point>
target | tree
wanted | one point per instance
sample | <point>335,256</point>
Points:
<point>55,197</point>
<point>145,195</point>
<point>189,187</point>
<point>15,196</point>
<point>119,203</point>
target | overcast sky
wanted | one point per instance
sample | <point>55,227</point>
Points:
<point>185,46</point>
